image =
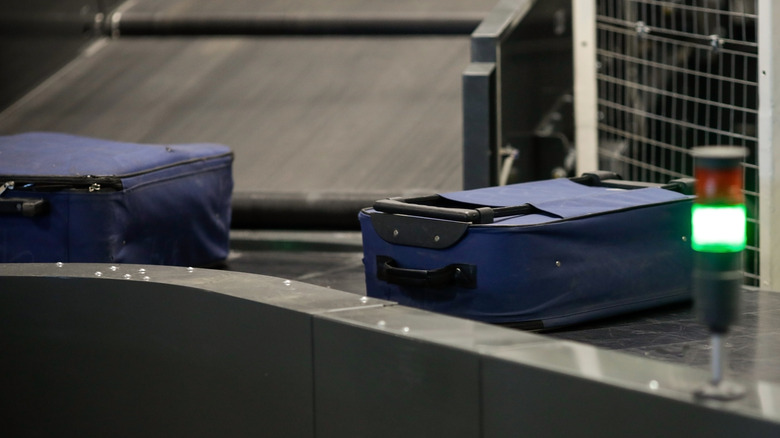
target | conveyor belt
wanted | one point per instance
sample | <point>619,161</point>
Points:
<point>302,114</point>
<point>673,334</point>
<point>353,117</point>
<point>670,334</point>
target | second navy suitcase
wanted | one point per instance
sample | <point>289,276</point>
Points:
<point>535,255</point>
<point>74,199</point>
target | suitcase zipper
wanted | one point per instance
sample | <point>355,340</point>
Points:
<point>7,185</point>
<point>89,183</point>
<point>86,183</point>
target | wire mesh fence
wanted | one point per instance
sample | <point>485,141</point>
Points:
<point>673,75</point>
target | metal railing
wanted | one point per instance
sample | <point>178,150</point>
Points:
<point>673,75</point>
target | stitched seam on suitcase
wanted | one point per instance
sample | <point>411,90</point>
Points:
<point>178,163</point>
<point>179,176</point>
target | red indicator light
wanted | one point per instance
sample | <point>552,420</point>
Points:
<point>719,186</point>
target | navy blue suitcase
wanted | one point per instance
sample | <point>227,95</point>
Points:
<point>533,255</point>
<point>73,199</point>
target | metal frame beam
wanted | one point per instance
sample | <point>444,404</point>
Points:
<point>585,90</point>
<point>769,142</point>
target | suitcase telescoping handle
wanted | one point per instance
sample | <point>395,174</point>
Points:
<point>417,207</point>
<point>456,274</point>
<point>421,206</point>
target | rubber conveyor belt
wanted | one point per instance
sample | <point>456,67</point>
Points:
<point>355,115</point>
<point>669,334</point>
<point>301,114</point>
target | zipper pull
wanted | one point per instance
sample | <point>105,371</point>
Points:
<point>7,185</point>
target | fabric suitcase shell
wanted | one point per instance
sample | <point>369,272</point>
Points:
<point>103,201</point>
<point>583,253</point>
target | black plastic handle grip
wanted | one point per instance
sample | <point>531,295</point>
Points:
<point>456,274</point>
<point>595,178</point>
<point>23,207</point>
<point>412,206</point>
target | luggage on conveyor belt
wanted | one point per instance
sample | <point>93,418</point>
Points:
<point>533,255</point>
<point>73,199</point>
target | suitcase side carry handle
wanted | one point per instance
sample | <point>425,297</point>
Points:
<point>456,274</point>
<point>20,206</point>
<point>23,207</point>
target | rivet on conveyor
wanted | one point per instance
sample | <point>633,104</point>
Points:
<point>557,263</point>
<point>653,385</point>
<point>364,300</point>
<point>405,329</point>
<point>113,268</point>
<point>60,264</point>
<point>395,233</point>
<point>436,238</point>
<point>98,274</point>
<point>190,269</point>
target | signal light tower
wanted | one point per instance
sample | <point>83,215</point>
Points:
<point>718,239</point>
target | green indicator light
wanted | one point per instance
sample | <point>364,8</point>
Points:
<point>718,228</point>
